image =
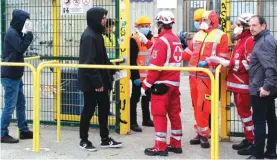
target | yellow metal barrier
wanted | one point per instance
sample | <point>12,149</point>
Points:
<point>119,60</point>
<point>31,58</point>
<point>215,113</point>
<point>35,98</point>
<point>214,134</point>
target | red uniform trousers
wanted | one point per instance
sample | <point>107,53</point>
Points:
<point>243,104</point>
<point>161,106</point>
<point>203,106</point>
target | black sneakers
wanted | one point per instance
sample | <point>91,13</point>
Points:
<point>154,152</point>
<point>244,143</point>
<point>174,149</point>
<point>87,145</point>
<point>26,135</point>
<point>110,143</point>
<point>9,139</point>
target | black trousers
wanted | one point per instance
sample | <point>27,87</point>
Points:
<point>135,97</point>
<point>264,111</point>
<point>91,100</point>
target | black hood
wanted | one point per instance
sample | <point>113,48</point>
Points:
<point>18,19</point>
<point>94,18</point>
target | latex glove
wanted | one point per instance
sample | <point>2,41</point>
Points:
<point>136,82</point>
<point>214,59</point>
<point>142,91</point>
<point>224,62</point>
<point>181,36</point>
<point>202,64</point>
<point>219,60</point>
<point>142,37</point>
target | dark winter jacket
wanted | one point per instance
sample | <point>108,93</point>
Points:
<point>263,64</point>
<point>93,51</point>
<point>15,45</point>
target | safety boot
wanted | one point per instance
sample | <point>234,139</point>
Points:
<point>204,142</point>
<point>244,143</point>
<point>154,152</point>
<point>195,140</point>
<point>174,149</point>
<point>246,150</point>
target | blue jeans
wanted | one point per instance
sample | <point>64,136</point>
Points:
<point>13,98</point>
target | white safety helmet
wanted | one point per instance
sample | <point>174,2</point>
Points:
<point>165,17</point>
<point>244,18</point>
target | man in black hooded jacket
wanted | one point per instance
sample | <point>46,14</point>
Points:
<point>95,83</point>
<point>15,45</point>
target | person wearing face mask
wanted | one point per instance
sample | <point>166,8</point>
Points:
<point>186,37</point>
<point>18,38</point>
<point>238,81</point>
<point>208,41</point>
<point>164,85</point>
<point>140,44</point>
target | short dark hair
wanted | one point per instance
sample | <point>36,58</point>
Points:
<point>260,18</point>
<point>110,22</point>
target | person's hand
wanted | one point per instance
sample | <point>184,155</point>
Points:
<point>30,27</point>
<point>142,37</point>
<point>214,59</point>
<point>219,60</point>
<point>181,36</point>
<point>202,64</point>
<point>99,89</point>
<point>142,91</point>
<point>264,93</point>
<point>136,82</point>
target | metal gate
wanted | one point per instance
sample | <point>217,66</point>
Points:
<point>57,35</point>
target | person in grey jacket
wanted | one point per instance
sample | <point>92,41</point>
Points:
<point>263,88</point>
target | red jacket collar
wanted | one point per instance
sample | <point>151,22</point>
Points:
<point>244,34</point>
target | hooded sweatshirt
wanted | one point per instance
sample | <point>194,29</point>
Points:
<point>93,51</point>
<point>15,45</point>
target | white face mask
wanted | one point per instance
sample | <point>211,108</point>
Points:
<point>204,26</point>
<point>238,30</point>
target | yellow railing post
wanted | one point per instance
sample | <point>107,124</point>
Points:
<point>225,96</point>
<point>124,43</point>
<point>56,52</point>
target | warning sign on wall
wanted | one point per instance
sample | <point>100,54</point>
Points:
<point>69,7</point>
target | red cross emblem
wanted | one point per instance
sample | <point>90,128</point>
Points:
<point>177,54</point>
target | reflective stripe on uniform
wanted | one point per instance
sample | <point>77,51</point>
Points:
<point>203,129</point>
<point>215,42</point>
<point>144,53</point>
<point>245,64</point>
<point>173,83</point>
<point>160,139</point>
<point>249,128</point>
<point>188,51</point>
<point>147,84</point>
<point>245,120</point>
<point>142,74</point>
<point>236,66</point>
<point>168,55</point>
<point>178,138</point>
<point>161,134</point>
<point>238,78</point>
<point>179,131</point>
<point>236,85</point>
